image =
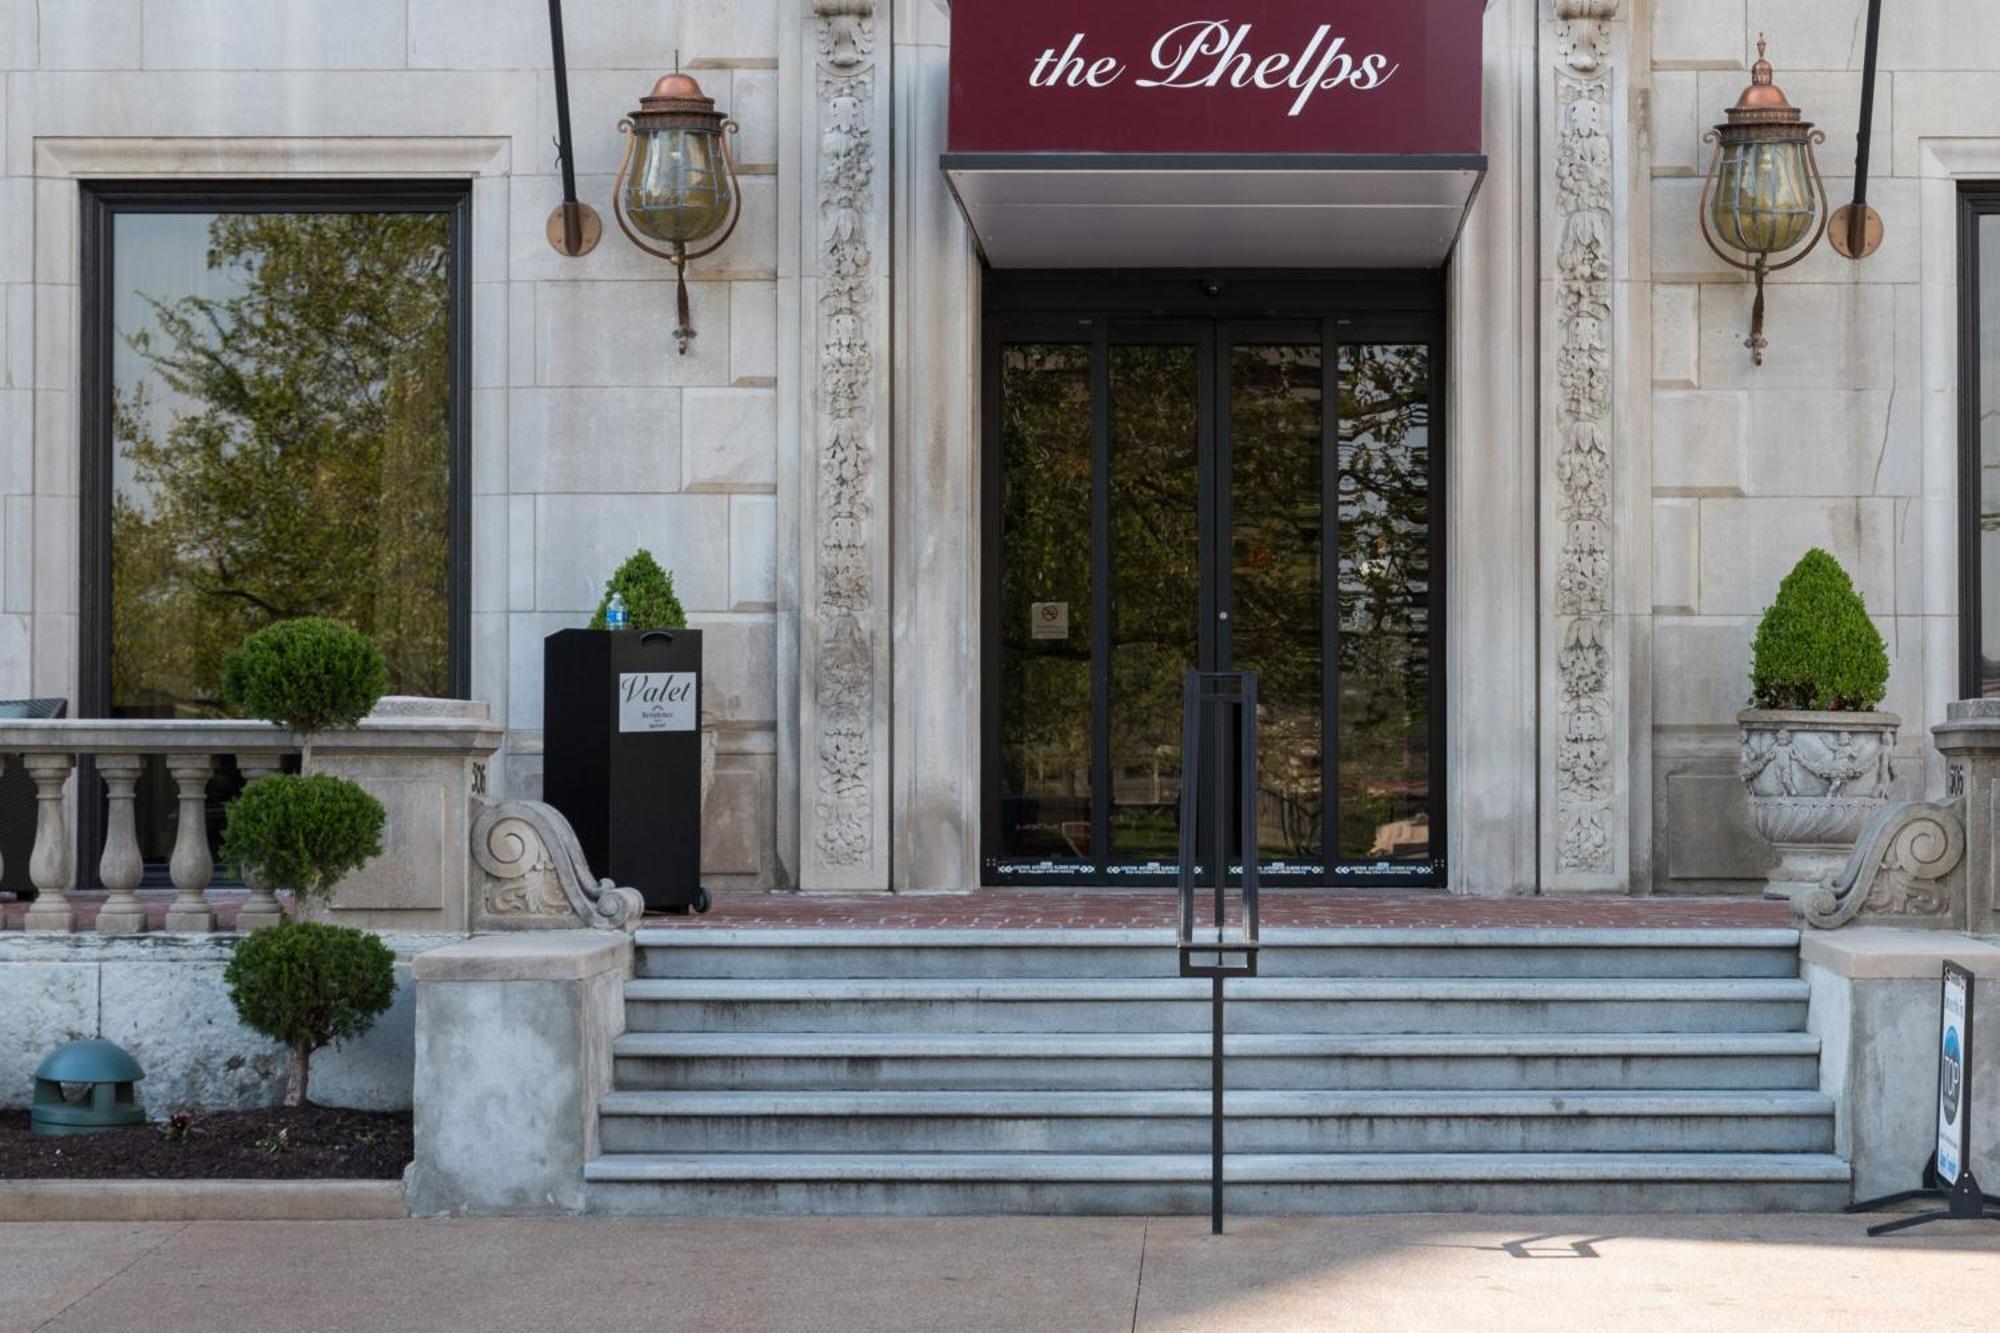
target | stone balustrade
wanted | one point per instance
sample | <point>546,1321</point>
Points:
<point>454,859</point>
<point>49,751</point>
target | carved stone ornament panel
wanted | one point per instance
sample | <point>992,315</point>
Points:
<point>841,619</point>
<point>1584,786</point>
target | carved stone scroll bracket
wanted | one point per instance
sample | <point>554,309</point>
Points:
<point>532,874</point>
<point>1907,869</point>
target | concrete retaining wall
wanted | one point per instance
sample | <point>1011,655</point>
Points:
<point>513,1053</point>
<point>1874,1007</point>
<point>162,998</point>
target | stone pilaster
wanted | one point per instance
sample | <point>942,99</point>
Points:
<point>1588,769</point>
<point>843,486</point>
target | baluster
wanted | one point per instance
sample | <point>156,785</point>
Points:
<point>192,866</point>
<point>261,908</point>
<point>49,865</point>
<point>121,868</point>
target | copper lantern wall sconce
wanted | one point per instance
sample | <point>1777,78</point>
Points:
<point>1764,205</point>
<point>677,183</point>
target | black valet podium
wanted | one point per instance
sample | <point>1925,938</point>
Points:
<point>621,743</point>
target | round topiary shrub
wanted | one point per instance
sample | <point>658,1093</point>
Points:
<point>648,591</point>
<point>302,832</point>
<point>1816,648</point>
<point>306,674</point>
<point>307,985</point>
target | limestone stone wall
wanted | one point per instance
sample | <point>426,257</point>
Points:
<point>1846,437</point>
<point>590,436</point>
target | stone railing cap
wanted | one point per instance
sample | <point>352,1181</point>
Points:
<point>553,955</point>
<point>414,705</point>
<point>1886,953</point>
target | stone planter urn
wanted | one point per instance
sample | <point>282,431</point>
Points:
<point>1814,779</point>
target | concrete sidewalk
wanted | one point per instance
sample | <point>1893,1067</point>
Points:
<point>1464,1274</point>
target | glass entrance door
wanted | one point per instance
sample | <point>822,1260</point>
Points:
<point>1167,494</point>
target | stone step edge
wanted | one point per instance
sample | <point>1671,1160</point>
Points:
<point>1113,989</point>
<point>1342,937</point>
<point>1279,1104</point>
<point>1195,1045</point>
<point>1302,1169</point>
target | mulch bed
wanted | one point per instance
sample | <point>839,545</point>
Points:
<point>299,1143</point>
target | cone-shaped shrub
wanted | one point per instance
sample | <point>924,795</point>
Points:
<point>307,984</point>
<point>1816,647</point>
<point>648,591</point>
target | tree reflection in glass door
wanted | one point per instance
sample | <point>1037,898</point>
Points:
<point>1045,604</point>
<point>1155,593</point>
<point>1276,521</point>
<point>1384,590</point>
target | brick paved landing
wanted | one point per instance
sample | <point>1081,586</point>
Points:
<point>992,909</point>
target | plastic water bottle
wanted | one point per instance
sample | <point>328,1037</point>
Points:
<point>614,614</point>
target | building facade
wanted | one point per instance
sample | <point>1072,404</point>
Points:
<point>956,496</point>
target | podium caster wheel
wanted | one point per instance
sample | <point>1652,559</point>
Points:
<point>702,902</point>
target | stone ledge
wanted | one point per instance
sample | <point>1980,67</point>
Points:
<point>556,955</point>
<point>200,1200</point>
<point>1885,953</point>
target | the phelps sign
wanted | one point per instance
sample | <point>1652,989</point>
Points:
<point>1245,77</point>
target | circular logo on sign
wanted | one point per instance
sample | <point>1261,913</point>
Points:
<point>1953,1075</point>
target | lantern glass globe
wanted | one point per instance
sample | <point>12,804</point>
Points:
<point>678,190</point>
<point>1763,202</point>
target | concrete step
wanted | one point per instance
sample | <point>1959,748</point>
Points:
<point>1178,1122</point>
<point>778,953</point>
<point>1259,1004</point>
<point>910,1184</point>
<point>1071,1061</point>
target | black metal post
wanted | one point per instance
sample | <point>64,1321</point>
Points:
<point>1208,695</point>
<point>1215,1108</point>
<point>571,215</point>
<point>1857,216</point>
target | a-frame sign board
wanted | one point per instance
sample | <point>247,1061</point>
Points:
<point>1948,1174</point>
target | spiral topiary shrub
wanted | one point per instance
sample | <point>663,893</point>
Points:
<point>302,832</point>
<point>1816,648</point>
<point>307,674</point>
<point>648,590</point>
<point>308,985</point>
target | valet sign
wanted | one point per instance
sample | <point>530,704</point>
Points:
<point>656,700</point>
<point>1954,1145</point>
<point>1244,77</point>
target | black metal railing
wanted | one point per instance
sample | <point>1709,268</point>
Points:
<point>1212,766</point>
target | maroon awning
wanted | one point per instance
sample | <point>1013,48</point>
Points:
<point>1172,133</point>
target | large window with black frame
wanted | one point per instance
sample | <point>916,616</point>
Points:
<point>1979,439</point>
<point>1223,475</point>
<point>274,426</point>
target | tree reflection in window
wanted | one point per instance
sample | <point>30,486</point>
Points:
<point>281,402</point>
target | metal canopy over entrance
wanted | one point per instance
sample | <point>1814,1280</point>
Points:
<point>1259,133</point>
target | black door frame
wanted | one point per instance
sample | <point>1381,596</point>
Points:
<point>1212,310</point>
<point>1976,201</point>
<point>99,205</point>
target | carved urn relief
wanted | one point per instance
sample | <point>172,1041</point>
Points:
<point>1814,780</point>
